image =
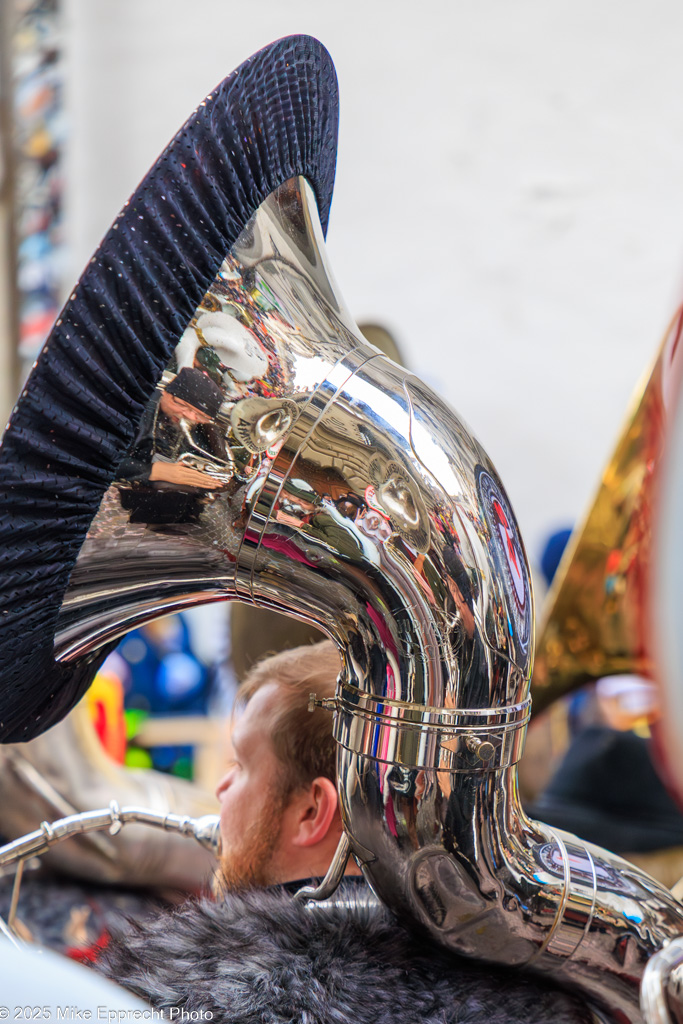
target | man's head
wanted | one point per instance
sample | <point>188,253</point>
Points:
<point>279,810</point>
<point>192,396</point>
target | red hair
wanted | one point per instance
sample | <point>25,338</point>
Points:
<point>302,739</point>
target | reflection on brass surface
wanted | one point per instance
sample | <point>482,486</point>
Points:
<point>661,995</point>
<point>595,618</point>
<point>258,632</point>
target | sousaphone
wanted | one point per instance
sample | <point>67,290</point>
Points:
<point>206,423</point>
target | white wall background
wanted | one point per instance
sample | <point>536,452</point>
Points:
<point>509,191</point>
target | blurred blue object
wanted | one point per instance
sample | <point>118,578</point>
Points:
<point>552,553</point>
<point>166,678</point>
<point>180,683</point>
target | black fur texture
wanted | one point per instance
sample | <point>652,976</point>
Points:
<point>261,957</point>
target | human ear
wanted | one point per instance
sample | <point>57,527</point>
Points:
<point>316,810</point>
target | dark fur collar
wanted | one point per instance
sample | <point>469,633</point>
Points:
<point>261,958</point>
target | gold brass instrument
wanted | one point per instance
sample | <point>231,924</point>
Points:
<point>596,621</point>
<point>609,611</point>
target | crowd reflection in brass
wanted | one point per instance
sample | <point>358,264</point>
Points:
<point>285,462</point>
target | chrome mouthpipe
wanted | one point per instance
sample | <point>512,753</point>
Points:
<point>205,830</point>
<point>66,771</point>
<point>359,501</point>
<point>662,984</point>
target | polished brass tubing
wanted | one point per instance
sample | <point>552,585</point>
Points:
<point>205,830</point>
<point>661,985</point>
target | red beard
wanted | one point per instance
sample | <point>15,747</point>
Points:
<point>247,864</point>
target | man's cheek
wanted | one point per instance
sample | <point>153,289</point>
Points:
<point>226,815</point>
<point>230,811</point>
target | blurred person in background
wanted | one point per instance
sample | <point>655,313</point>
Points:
<point>605,788</point>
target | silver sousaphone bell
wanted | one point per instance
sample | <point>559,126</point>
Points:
<point>282,461</point>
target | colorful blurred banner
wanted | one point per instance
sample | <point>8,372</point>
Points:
<point>175,668</point>
<point>37,76</point>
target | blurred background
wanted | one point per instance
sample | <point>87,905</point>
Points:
<point>508,205</point>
